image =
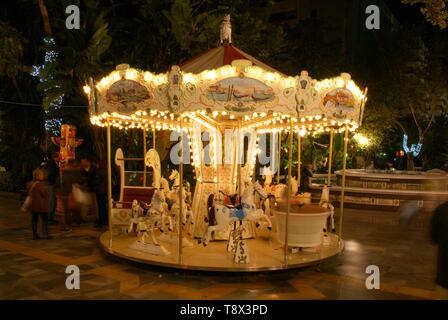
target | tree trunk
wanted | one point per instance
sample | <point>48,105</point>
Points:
<point>410,162</point>
<point>46,20</point>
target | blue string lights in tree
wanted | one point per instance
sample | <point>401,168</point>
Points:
<point>415,148</point>
<point>52,124</point>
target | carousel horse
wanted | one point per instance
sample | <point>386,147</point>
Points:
<point>280,190</point>
<point>152,160</point>
<point>325,202</point>
<point>165,186</point>
<point>230,199</point>
<point>158,211</point>
<point>225,214</point>
<point>189,199</point>
<point>266,204</point>
<point>174,176</point>
<point>137,216</point>
<point>187,214</point>
<point>141,224</point>
<point>172,193</point>
<point>294,186</point>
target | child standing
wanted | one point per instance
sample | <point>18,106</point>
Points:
<point>38,190</point>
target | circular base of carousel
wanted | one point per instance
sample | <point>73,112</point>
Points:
<point>265,254</point>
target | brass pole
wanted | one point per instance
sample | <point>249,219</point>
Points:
<point>234,162</point>
<point>344,165</point>
<point>279,152</point>
<point>144,155</point>
<point>239,157</point>
<point>181,188</point>
<point>216,153</point>
<point>330,157</point>
<point>154,138</point>
<point>109,183</point>
<point>299,156</point>
<point>289,191</point>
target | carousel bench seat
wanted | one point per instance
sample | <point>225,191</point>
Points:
<point>136,193</point>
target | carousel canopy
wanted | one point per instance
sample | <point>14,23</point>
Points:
<point>219,57</point>
<point>224,87</point>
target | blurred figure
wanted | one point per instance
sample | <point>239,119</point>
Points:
<point>51,167</point>
<point>305,175</point>
<point>439,235</point>
<point>71,175</point>
<point>101,193</point>
<point>408,211</point>
<point>38,191</point>
<point>89,209</point>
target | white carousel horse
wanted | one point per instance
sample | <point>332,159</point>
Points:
<point>165,186</point>
<point>225,214</point>
<point>267,174</point>
<point>279,190</point>
<point>187,214</point>
<point>267,181</point>
<point>188,199</point>
<point>325,202</point>
<point>137,216</point>
<point>152,160</point>
<point>141,224</point>
<point>294,185</point>
<point>158,211</point>
<point>174,176</point>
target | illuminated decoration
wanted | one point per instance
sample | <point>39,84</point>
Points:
<point>361,140</point>
<point>399,153</point>
<point>52,124</point>
<point>415,148</point>
<point>260,99</point>
<point>68,143</point>
<point>224,89</point>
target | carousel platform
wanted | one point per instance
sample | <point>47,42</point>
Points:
<point>265,253</point>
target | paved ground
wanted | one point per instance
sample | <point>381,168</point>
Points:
<point>36,269</point>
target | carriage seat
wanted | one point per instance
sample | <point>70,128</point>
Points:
<point>137,193</point>
<point>231,206</point>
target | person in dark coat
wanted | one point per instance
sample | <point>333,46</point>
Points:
<point>71,175</point>
<point>88,172</point>
<point>38,191</point>
<point>439,235</point>
<point>51,167</point>
<point>305,174</point>
<point>100,188</point>
<point>88,167</point>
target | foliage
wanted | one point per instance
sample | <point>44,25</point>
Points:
<point>435,11</point>
<point>190,26</point>
<point>413,91</point>
<point>79,54</point>
<point>11,50</point>
<point>406,80</point>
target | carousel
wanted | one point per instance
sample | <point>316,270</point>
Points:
<point>227,112</point>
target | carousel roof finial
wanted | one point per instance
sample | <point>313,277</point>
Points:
<point>226,30</point>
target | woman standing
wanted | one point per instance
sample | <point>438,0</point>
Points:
<point>38,190</point>
<point>439,235</point>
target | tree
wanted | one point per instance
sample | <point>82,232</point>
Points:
<point>435,11</point>
<point>76,55</point>
<point>414,90</point>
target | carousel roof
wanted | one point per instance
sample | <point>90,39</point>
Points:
<point>223,55</point>
<point>225,87</point>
